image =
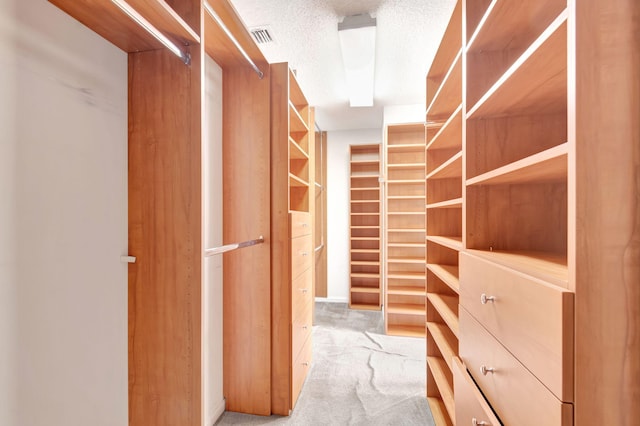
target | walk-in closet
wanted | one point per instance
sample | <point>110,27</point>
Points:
<point>218,212</point>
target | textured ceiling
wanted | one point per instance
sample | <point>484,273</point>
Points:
<point>306,36</point>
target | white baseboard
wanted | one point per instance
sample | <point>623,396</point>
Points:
<point>333,299</point>
<point>220,409</point>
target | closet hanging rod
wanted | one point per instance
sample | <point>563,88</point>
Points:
<point>230,247</point>
<point>157,34</point>
<point>221,24</point>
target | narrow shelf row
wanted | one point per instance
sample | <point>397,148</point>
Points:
<point>405,216</point>
<point>365,254</point>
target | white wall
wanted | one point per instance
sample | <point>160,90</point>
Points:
<point>338,207</point>
<point>396,114</point>
<point>212,292</point>
<point>63,221</point>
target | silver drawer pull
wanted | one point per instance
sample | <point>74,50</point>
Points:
<point>304,290</point>
<point>476,422</point>
<point>484,299</point>
<point>305,224</point>
<point>304,253</point>
<point>304,327</point>
<point>306,364</point>
<point>484,370</point>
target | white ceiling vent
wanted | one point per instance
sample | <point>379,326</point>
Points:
<point>262,35</point>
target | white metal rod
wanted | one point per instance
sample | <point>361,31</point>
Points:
<point>140,20</point>
<point>229,247</point>
<point>221,24</point>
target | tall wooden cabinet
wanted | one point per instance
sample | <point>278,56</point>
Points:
<point>292,207</point>
<point>365,291</point>
<point>546,220</point>
<point>404,229</point>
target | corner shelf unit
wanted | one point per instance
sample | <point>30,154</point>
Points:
<point>365,291</point>
<point>404,230</point>
<point>444,201</point>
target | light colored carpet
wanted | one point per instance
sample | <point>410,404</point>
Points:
<point>359,376</point>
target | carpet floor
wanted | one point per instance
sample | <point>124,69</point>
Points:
<point>359,375</point>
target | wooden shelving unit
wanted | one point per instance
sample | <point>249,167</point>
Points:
<point>292,210</point>
<point>405,237</point>
<point>365,289</point>
<point>524,165</point>
<point>444,202</point>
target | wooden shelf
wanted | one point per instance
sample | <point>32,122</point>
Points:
<point>405,197</point>
<point>448,274</point>
<point>366,214</point>
<point>445,341</point>
<point>365,250</point>
<point>456,203</point>
<point>365,226</point>
<point>372,290</point>
<point>296,151</point>
<point>407,260</point>
<point>405,290</point>
<point>408,166</point>
<point>367,188</point>
<point>438,370</point>
<point>449,169</point>
<point>295,181</point>
<point>536,83</point>
<point>365,201</point>
<point>550,267</point>
<point>408,245</point>
<point>364,175</point>
<point>405,230</point>
<point>365,238</point>
<point>547,166</point>
<point>406,147</point>
<point>364,307</point>
<point>406,309</point>
<point>420,213</point>
<point>108,20</point>
<point>450,134</point>
<point>405,181</point>
<point>364,275</point>
<point>365,162</point>
<point>504,22</point>
<point>447,308</point>
<point>406,275</point>
<point>450,45</point>
<point>405,330</point>
<point>454,243</point>
<point>365,263</point>
<point>438,411</point>
<point>449,94</point>
<point>296,123</point>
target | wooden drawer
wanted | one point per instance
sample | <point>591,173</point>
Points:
<point>300,368</point>
<point>300,331</point>
<point>301,294</point>
<point>532,319</point>
<point>301,255</point>
<point>471,407</point>
<point>515,394</point>
<point>299,224</point>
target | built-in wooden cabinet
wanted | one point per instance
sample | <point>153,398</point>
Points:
<point>532,249</point>
<point>405,230</point>
<point>292,207</point>
<point>365,291</point>
<point>444,190</point>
